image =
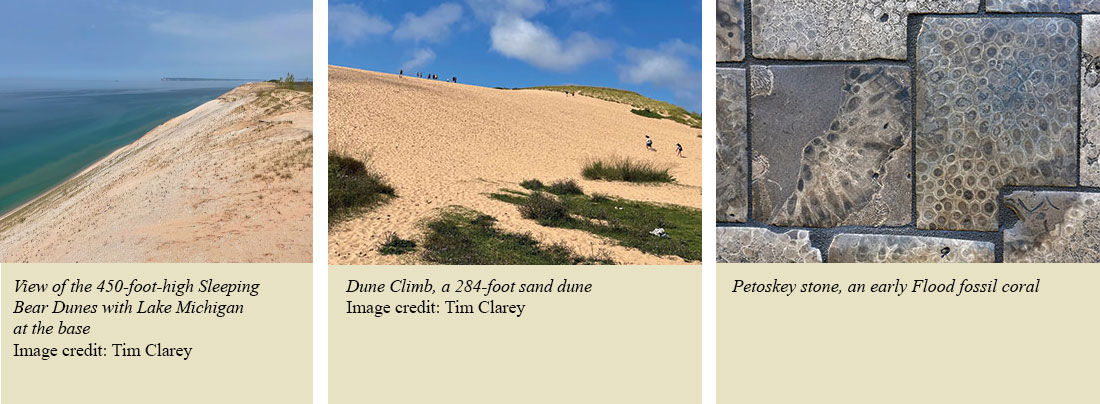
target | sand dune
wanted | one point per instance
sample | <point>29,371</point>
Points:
<point>442,144</point>
<point>230,181</point>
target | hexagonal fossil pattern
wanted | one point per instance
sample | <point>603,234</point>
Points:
<point>839,29</point>
<point>1090,100</point>
<point>1054,226</point>
<point>890,248</point>
<point>1043,6</point>
<point>831,145</point>
<point>754,244</point>
<point>996,106</point>
<point>730,30</point>
<point>732,147</point>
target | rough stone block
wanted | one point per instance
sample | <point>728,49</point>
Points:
<point>891,248</point>
<point>996,106</point>
<point>831,145</point>
<point>754,244</point>
<point>731,30</point>
<point>732,149</point>
<point>1090,100</point>
<point>1053,226</point>
<point>1043,6</point>
<point>840,29</point>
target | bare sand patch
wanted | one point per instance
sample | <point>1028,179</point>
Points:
<point>441,144</point>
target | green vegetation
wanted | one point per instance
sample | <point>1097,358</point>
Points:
<point>631,223</point>
<point>533,185</point>
<point>625,169</point>
<point>647,113</point>
<point>565,187</point>
<point>289,84</point>
<point>353,187</point>
<point>464,237</point>
<point>395,245</point>
<point>660,108</point>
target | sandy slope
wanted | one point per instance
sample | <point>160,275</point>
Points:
<point>230,181</point>
<point>444,144</point>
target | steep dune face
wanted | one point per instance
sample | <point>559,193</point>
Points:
<point>442,144</point>
<point>230,181</point>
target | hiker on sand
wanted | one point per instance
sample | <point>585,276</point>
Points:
<point>679,151</point>
<point>649,143</point>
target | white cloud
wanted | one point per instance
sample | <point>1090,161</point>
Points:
<point>348,23</point>
<point>434,25</point>
<point>420,58</point>
<point>669,66</point>
<point>518,38</point>
<point>491,10</point>
<point>581,9</point>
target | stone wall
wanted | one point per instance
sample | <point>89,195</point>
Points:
<point>908,131</point>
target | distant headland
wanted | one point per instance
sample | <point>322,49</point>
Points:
<point>202,79</point>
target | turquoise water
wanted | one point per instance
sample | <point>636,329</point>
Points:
<point>51,130</point>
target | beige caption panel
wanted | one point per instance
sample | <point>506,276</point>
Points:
<point>261,355</point>
<point>914,348</point>
<point>635,338</point>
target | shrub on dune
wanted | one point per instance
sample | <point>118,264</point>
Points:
<point>544,209</point>
<point>353,187</point>
<point>565,187</point>
<point>625,169</point>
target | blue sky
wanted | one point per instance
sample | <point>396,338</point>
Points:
<point>151,39</point>
<point>648,46</point>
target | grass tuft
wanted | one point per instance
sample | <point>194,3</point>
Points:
<point>395,245</point>
<point>625,169</point>
<point>353,188</point>
<point>548,210</point>
<point>532,184</point>
<point>565,187</point>
<point>647,113</point>
<point>464,237</point>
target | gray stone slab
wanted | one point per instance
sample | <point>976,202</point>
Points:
<point>759,245</point>
<point>831,145</point>
<point>732,197</point>
<point>731,31</point>
<point>840,29</point>
<point>996,106</point>
<point>897,248</point>
<point>1053,226</point>
<point>1090,100</point>
<point>1043,6</point>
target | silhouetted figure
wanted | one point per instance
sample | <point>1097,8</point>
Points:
<point>454,79</point>
<point>401,72</point>
<point>679,151</point>
<point>649,143</point>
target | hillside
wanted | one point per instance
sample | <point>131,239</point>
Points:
<point>443,144</point>
<point>230,181</point>
<point>666,110</point>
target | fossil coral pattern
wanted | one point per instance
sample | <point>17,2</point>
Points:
<point>1053,226</point>
<point>891,248</point>
<point>752,244</point>
<point>1090,100</point>
<point>1043,6</point>
<point>839,29</point>
<point>730,30</point>
<point>996,106</point>
<point>732,151</point>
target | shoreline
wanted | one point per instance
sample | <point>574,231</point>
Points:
<point>97,163</point>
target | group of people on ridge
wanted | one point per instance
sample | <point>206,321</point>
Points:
<point>401,73</point>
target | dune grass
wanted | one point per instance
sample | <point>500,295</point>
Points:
<point>625,221</point>
<point>661,108</point>
<point>647,113</point>
<point>353,188</point>
<point>532,184</point>
<point>395,245</point>
<point>464,237</point>
<point>625,169</point>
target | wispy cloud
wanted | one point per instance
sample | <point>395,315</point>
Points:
<point>667,66</point>
<point>348,23</point>
<point>421,57</point>
<point>583,9</point>
<point>434,25</point>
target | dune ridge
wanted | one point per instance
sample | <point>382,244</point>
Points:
<point>442,144</point>
<point>229,181</point>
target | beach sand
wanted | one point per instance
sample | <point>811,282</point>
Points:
<point>441,144</point>
<point>230,181</point>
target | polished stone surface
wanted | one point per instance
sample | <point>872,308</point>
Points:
<point>996,106</point>
<point>840,29</point>
<point>753,244</point>
<point>731,31</point>
<point>1043,6</point>
<point>831,145</point>
<point>1053,226</point>
<point>896,248</point>
<point>732,147</point>
<point>1090,101</point>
